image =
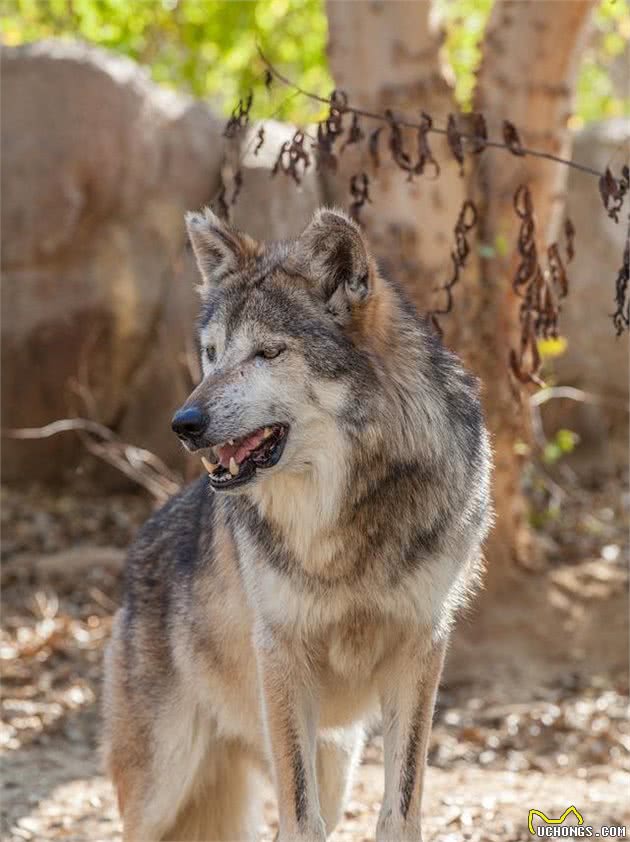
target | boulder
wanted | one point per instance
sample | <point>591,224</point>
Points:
<point>98,291</point>
<point>274,207</point>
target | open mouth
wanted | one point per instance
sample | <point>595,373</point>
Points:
<point>236,461</point>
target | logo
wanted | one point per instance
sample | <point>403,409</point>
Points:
<point>556,828</point>
<point>549,821</point>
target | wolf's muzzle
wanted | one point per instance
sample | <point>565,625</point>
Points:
<point>190,424</point>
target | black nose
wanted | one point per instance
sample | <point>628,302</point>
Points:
<point>189,422</point>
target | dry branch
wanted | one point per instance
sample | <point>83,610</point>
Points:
<point>140,465</point>
<point>466,221</point>
<point>511,140</point>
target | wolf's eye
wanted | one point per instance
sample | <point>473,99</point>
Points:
<point>271,353</point>
<point>211,353</point>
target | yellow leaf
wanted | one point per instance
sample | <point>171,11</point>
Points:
<point>550,348</point>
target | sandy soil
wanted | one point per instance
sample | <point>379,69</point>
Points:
<point>532,713</point>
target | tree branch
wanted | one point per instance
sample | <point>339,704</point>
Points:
<point>405,122</point>
<point>140,465</point>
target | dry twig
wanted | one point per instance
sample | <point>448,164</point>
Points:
<point>140,465</point>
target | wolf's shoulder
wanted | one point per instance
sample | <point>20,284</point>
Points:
<point>176,537</point>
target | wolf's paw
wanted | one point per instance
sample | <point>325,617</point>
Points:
<point>391,828</point>
<point>314,832</point>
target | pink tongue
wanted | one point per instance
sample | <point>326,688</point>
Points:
<point>241,450</point>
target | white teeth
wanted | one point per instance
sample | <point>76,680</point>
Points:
<point>230,441</point>
<point>208,465</point>
<point>233,467</point>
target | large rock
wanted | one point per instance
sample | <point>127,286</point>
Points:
<point>274,207</point>
<point>99,166</point>
<point>596,360</point>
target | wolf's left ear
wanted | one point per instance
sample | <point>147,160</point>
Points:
<point>219,249</point>
<point>334,253</point>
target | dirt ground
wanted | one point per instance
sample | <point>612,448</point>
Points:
<point>532,713</point>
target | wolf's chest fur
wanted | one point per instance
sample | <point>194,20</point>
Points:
<point>327,556</point>
<point>303,508</point>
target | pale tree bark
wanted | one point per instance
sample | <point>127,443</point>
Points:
<point>531,55</point>
<point>386,55</point>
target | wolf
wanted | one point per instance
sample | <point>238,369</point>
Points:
<point>310,579</point>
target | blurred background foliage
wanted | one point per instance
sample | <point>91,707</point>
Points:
<point>208,48</point>
<point>205,47</point>
<point>603,89</point>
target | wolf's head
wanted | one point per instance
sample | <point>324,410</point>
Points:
<point>288,333</point>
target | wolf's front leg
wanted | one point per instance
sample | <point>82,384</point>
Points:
<point>290,712</point>
<point>408,689</point>
<point>338,754</point>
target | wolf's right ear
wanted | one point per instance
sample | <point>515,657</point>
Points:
<point>219,249</point>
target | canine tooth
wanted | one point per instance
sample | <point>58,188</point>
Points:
<point>267,432</point>
<point>208,465</point>
<point>230,441</point>
<point>233,467</point>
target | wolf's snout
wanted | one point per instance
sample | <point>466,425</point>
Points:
<point>189,423</point>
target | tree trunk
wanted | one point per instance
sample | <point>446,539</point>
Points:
<point>528,73</point>
<point>386,55</point>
